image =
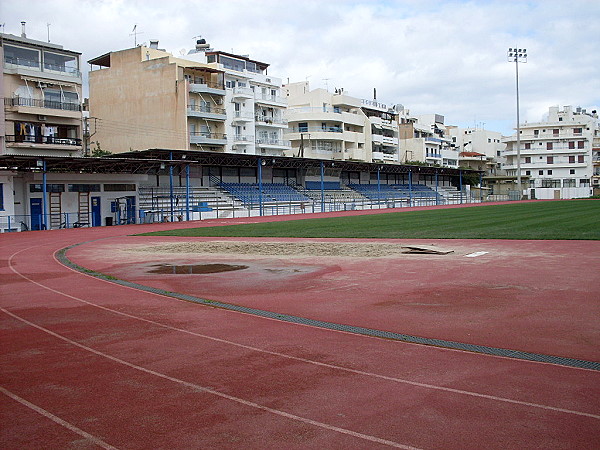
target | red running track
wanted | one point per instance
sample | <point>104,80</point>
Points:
<point>87,363</point>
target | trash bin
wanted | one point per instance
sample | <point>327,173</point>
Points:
<point>108,221</point>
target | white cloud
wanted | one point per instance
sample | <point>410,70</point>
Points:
<point>447,57</point>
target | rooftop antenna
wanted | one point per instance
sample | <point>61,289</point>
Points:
<point>326,80</point>
<point>48,25</point>
<point>134,33</point>
<point>3,27</point>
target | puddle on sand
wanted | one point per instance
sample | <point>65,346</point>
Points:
<point>192,269</point>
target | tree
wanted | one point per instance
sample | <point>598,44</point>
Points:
<point>98,152</point>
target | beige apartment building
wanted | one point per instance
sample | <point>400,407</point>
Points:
<point>41,84</point>
<point>143,97</point>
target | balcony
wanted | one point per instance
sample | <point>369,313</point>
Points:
<point>271,121</point>
<point>242,92</point>
<point>22,66</point>
<point>278,143</point>
<point>207,88</point>
<point>43,107</point>
<point>206,112</point>
<point>45,141</point>
<point>242,117</point>
<point>333,129</point>
<point>243,139</point>
<point>380,156</point>
<point>273,100</point>
<point>207,138</point>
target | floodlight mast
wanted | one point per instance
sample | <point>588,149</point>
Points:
<point>518,55</point>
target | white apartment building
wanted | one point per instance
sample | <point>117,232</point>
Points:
<point>254,104</point>
<point>423,139</point>
<point>478,149</point>
<point>556,154</point>
<point>596,162</point>
<point>384,131</point>
<point>326,126</point>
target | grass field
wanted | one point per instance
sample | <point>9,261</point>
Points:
<point>556,220</point>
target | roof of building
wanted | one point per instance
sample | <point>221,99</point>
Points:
<point>152,160</point>
<point>262,65</point>
<point>471,154</point>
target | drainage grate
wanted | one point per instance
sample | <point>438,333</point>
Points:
<point>537,357</point>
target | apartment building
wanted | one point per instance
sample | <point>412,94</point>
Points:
<point>383,131</point>
<point>254,103</point>
<point>596,163</point>
<point>556,154</point>
<point>326,125</point>
<point>41,84</point>
<point>423,139</point>
<point>478,149</point>
<point>144,97</point>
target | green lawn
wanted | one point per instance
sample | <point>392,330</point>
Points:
<point>568,219</point>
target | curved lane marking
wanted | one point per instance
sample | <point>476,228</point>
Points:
<point>207,390</point>
<point>296,358</point>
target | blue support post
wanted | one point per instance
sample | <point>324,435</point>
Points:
<point>260,189</point>
<point>460,185</point>
<point>409,187</point>
<point>436,188</point>
<point>44,205</point>
<point>378,186</point>
<point>322,187</point>
<point>171,186</point>
<point>187,192</point>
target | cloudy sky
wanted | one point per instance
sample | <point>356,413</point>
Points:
<point>444,57</point>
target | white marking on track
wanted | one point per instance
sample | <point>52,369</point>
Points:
<point>207,390</point>
<point>295,358</point>
<point>476,254</point>
<point>58,420</point>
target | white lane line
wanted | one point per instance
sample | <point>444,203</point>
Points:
<point>295,358</point>
<point>212,391</point>
<point>58,420</point>
<point>476,254</point>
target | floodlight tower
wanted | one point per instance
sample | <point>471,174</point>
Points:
<point>518,55</point>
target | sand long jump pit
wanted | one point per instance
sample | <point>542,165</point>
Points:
<point>524,295</point>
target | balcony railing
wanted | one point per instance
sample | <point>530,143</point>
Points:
<point>49,140</point>
<point>242,91</point>
<point>37,103</point>
<point>208,135</point>
<point>34,64</point>
<point>316,130</point>
<point>243,116</point>
<point>243,138</point>
<point>271,120</point>
<point>206,109</point>
<point>276,142</point>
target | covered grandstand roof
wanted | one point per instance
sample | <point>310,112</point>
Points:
<point>149,161</point>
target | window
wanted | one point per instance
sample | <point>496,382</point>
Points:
<point>580,158</point>
<point>548,145</point>
<point>527,145</point>
<point>119,187</point>
<point>550,172</point>
<point>577,131</point>
<point>528,172</point>
<point>49,188</point>
<point>584,182</point>
<point>569,182</point>
<point>84,188</point>
<point>21,56</point>
<point>571,171</point>
<point>61,63</point>
<point>571,159</point>
<point>536,132</point>
<point>540,172</point>
<point>550,160</point>
<point>571,144</point>
<point>555,132</point>
<point>528,160</point>
<point>303,127</point>
<point>550,183</point>
<point>580,144</point>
